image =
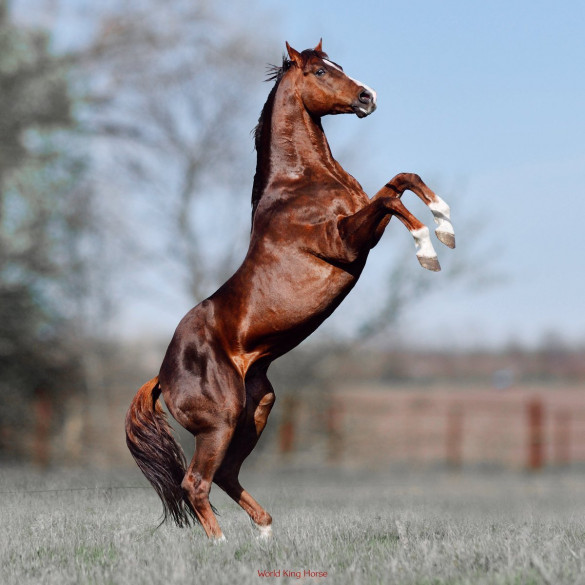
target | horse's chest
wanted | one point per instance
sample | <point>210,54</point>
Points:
<point>346,199</point>
<point>329,204</point>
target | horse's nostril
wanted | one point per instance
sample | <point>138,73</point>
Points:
<point>365,97</point>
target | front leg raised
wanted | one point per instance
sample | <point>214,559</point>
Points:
<point>441,212</point>
<point>363,229</point>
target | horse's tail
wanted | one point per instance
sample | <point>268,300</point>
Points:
<point>150,440</point>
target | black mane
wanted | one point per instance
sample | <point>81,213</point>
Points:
<point>262,130</point>
<point>274,73</point>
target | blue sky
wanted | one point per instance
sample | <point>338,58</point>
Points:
<point>486,100</point>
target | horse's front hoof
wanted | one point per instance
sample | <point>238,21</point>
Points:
<point>430,263</point>
<point>446,237</point>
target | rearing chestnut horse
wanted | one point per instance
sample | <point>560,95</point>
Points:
<point>312,230</point>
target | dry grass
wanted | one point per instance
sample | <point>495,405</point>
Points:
<point>409,527</point>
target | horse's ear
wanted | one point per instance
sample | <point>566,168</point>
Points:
<point>319,47</point>
<point>294,55</point>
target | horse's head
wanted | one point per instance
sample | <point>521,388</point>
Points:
<point>325,88</point>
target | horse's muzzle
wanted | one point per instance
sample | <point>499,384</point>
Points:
<point>366,103</point>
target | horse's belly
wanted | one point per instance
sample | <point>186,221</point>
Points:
<point>285,308</point>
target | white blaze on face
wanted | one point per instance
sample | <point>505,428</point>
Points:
<point>331,64</point>
<point>366,87</point>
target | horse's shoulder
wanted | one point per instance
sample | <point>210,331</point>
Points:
<point>309,203</point>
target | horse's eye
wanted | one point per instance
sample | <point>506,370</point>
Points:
<point>320,72</point>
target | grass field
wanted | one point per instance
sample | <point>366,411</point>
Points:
<point>426,527</point>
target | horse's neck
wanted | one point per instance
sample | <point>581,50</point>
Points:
<point>293,143</point>
<point>298,140</point>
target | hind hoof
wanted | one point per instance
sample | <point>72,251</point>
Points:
<point>264,532</point>
<point>219,540</point>
<point>430,263</point>
<point>447,238</point>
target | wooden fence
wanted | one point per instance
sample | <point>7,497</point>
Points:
<point>523,427</point>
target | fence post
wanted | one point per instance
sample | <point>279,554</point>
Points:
<point>287,425</point>
<point>535,418</point>
<point>454,442</point>
<point>334,429</point>
<point>43,414</point>
<point>562,437</point>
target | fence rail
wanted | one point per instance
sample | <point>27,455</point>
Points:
<point>524,427</point>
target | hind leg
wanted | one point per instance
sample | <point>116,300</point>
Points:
<point>206,395</point>
<point>259,401</point>
<point>208,402</point>
<point>210,450</point>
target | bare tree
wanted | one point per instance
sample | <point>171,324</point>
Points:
<point>166,92</point>
<point>43,214</point>
<point>164,102</point>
